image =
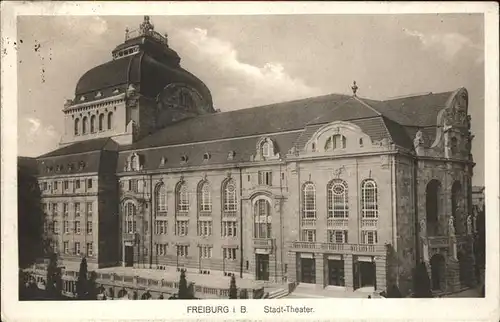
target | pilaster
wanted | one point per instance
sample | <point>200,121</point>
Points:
<point>348,273</point>
<point>319,266</point>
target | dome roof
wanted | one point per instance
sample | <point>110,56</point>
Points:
<point>145,61</point>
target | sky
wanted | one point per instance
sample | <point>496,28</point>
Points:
<point>254,60</point>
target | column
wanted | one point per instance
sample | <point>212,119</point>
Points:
<point>349,281</point>
<point>320,263</point>
<point>123,253</point>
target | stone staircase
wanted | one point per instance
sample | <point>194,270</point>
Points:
<point>278,293</point>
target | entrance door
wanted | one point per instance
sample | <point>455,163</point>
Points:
<point>367,273</point>
<point>129,256</point>
<point>308,268</point>
<point>336,272</point>
<point>262,266</point>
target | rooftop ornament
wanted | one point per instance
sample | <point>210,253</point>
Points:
<point>146,28</point>
<point>354,88</point>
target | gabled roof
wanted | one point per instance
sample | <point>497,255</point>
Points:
<point>81,147</point>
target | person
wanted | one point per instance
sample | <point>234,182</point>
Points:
<point>369,296</point>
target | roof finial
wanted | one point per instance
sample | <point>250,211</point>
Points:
<point>354,88</point>
<point>146,26</point>
<point>126,33</point>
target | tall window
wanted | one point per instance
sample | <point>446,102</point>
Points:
<point>308,235</point>
<point>101,122</point>
<point>204,197</point>
<point>229,229</point>
<point>309,202</point>
<point>337,236</point>
<point>110,120</point>
<point>229,197</point>
<point>369,237</point>
<point>130,213</point>
<point>369,199</point>
<point>77,126</point>
<point>85,124</point>
<point>89,209</point>
<point>161,227</point>
<point>337,199</point>
<point>133,185</point>
<point>134,162</point>
<point>92,124</point>
<point>204,228</point>
<point>265,178</point>
<point>182,198</point>
<point>77,209</point>
<point>335,142</point>
<point>262,219</point>
<point>161,198</point>
<point>181,227</point>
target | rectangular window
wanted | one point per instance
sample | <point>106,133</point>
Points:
<point>77,248</point>
<point>77,184</point>
<point>309,235</point>
<point>55,185</point>
<point>89,209</point>
<point>182,227</point>
<point>66,184</point>
<point>66,247</point>
<point>182,250</point>
<point>89,227</point>
<point>369,237</point>
<point>204,228</point>
<point>77,227</point>
<point>89,183</point>
<point>45,186</point>
<point>55,227</point>
<point>205,252</point>
<point>229,253</point>
<point>65,209</point>
<point>77,209</point>
<point>337,236</point>
<point>66,227</point>
<point>133,185</point>
<point>89,249</point>
<point>265,178</point>
<point>229,229</point>
<point>161,249</point>
<point>161,227</point>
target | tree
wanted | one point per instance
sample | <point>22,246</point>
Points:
<point>54,282</point>
<point>82,283</point>
<point>30,217</point>
<point>183,288</point>
<point>92,287</point>
<point>393,292</point>
<point>233,291</point>
<point>421,282</point>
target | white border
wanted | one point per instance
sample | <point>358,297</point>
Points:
<point>349,309</point>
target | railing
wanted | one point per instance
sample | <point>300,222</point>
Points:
<point>338,248</point>
<point>229,214</point>
<point>263,243</point>
<point>438,241</point>
<point>308,222</point>
<point>368,222</point>
<point>205,213</point>
<point>337,222</point>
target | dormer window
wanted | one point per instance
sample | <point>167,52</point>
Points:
<point>134,162</point>
<point>70,166</point>
<point>184,158</point>
<point>81,165</point>
<point>231,155</point>
<point>206,156</point>
<point>361,142</point>
<point>82,98</point>
<point>266,149</point>
<point>163,161</point>
<point>335,142</point>
<point>116,91</point>
<point>98,94</point>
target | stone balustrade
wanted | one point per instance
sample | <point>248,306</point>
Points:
<point>338,248</point>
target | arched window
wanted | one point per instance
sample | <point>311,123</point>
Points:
<point>309,202</point>
<point>182,198</point>
<point>337,199</point>
<point>110,120</point>
<point>369,199</point>
<point>92,124</point>
<point>204,197</point>
<point>85,124</point>
<point>229,200</point>
<point>262,219</point>
<point>335,142</point>
<point>432,207</point>
<point>101,122</point>
<point>161,198</point>
<point>77,126</point>
<point>266,149</point>
<point>130,213</point>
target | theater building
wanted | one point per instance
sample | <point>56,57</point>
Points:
<point>330,190</point>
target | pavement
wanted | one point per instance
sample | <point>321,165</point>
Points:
<point>312,291</point>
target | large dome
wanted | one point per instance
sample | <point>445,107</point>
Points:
<point>145,61</point>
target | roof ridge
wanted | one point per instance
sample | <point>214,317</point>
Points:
<point>367,105</point>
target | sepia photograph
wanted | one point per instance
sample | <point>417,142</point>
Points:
<point>233,156</point>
